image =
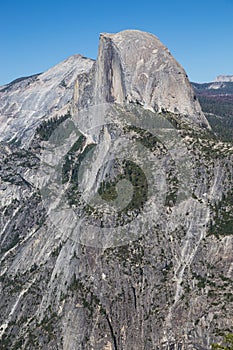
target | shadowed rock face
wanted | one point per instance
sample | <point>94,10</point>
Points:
<point>134,66</point>
<point>159,275</point>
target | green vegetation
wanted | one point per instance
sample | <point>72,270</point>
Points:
<point>128,170</point>
<point>70,170</point>
<point>145,137</point>
<point>133,173</point>
<point>80,158</point>
<point>136,176</point>
<point>227,343</point>
<point>70,158</point>
<point>18,345</point>
<point>171,196</point>
<point>47,127</point>
<point>88,299</point>
<point>217,104</point>
<point>222,126</point>
<point>222,224</point>
<point>107,190</point>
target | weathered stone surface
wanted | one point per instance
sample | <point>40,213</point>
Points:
<point>25,103</point>
<point>169,285</point>
<point>134,66</point>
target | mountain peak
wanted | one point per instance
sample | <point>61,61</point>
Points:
<point>132,67</point>
<point>130,34</point>
<point>135,67</point>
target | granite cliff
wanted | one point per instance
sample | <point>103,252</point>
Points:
<point>116,206</point>
<point>136,67</point>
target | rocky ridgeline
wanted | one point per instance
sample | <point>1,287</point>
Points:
<point>155,273</point>
<point>224,78</point>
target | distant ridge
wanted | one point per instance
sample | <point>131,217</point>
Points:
<point>224,78</point>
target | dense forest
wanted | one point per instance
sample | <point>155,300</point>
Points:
<point>216,100</point>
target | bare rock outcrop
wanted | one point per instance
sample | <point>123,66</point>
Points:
<point>135,67</point>
<point>224,78</point>
<point>146,262</point>
<point>25,103</point>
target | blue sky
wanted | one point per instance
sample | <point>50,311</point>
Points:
<point>35,35</point>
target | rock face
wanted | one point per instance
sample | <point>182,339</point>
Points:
<point>116,219</point>
<point>133,66</point>
<point>25,103</point>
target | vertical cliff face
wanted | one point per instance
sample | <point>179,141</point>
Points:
<point>116,219</point>
<point>134,66</point>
